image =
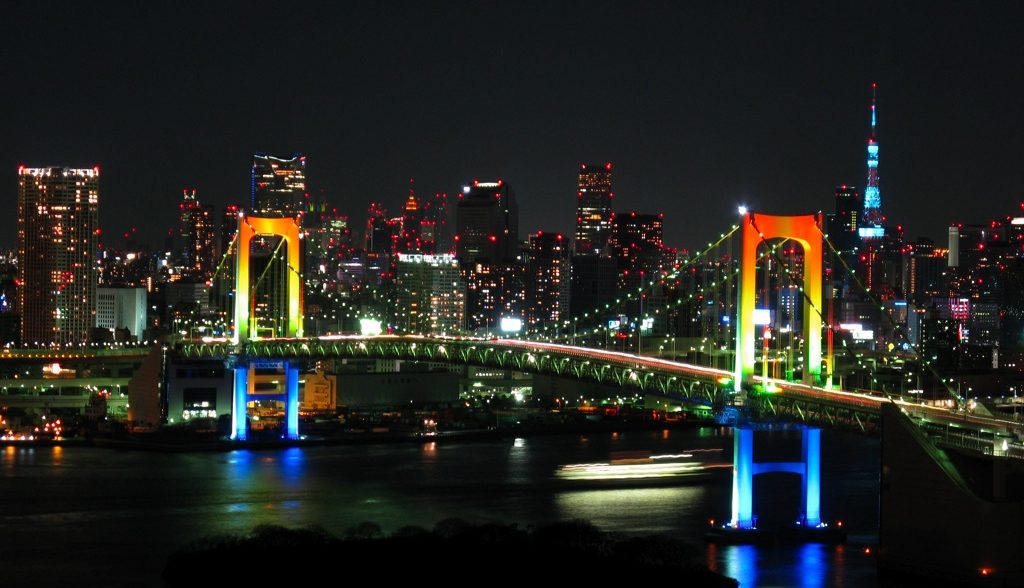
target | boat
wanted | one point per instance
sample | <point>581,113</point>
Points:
<point>642,469</point>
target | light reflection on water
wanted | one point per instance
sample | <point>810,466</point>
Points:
<point>636,510</point>
<point>761,565</point>
<point>85,503</point>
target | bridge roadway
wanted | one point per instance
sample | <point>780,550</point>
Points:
<point>683,381</point>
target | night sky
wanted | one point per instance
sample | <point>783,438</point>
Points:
<point>701,106</point>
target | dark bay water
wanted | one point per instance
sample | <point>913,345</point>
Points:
<point>115,516</point>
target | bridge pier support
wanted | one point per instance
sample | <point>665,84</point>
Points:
<point>743,478</point>
<point>812,476</point>
<point>745,468</point>
<point>240,403</point>
<point>291,404</point>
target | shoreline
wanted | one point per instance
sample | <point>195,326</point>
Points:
<point>161,443</point>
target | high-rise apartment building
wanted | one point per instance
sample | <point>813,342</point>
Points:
<point>58,225</point>
<point>636,243</point>
<point>493,291</point>
<point>593,208</point>
<point>278,185</point>
<point>547,278</point>
<point>430,295</point>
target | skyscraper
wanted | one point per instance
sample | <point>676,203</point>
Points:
<point>196,232</point>
<point>487,223</point>
<point>278,185</point>
<point>430,295</point>
<point>409,240</point>
<point>228,228</point>
<point>844,221</point>
<point>223,287</point>
<point>58,225</point>
<point>636,242</point>
<point>434,229</point>
<point>593,208</point>
<point>378,237</point>
<point>487,246</point>
<point>547,279</point>
<point>872,225</point>
<point>847,211</point>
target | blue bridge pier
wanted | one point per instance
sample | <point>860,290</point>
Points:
<point>242,393</point>
<point>742,525</point>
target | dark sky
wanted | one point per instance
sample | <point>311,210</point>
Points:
<point>700,105</point>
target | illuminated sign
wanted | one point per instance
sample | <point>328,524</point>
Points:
<point>370,327</point>
<point>762,316</point>
<point>862,335</point>
<point>511,324</point>
<point>443,259</point>
<point>871,232</point>
<point>614,324</point>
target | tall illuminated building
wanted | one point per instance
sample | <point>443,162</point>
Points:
<point>430,294</point>
<point>636,243</point>
<point>378,237</point>
<point>593,208</point>
<point>487,223</point>
<point>197,237</point>
<point>547,278</point>
<point>228,228</point>
<point>847,211</point>
<point>223,286</point>
<point>844,222</point>
<point>58,226</point>
<point>487,246</point>
<point>409,238</point>
<point>872,221</point>
<point>278,185</point>
<point>434,228</point>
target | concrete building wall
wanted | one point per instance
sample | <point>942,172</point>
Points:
<point>190,384</point>
<point>121,307</point>
<point>397,388</point>
<point>947,516</point>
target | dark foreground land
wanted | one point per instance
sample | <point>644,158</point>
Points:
<point>453,553</point>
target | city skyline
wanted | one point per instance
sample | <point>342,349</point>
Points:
<point>709,109</point>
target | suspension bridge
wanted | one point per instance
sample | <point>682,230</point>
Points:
<point>757,335</point>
